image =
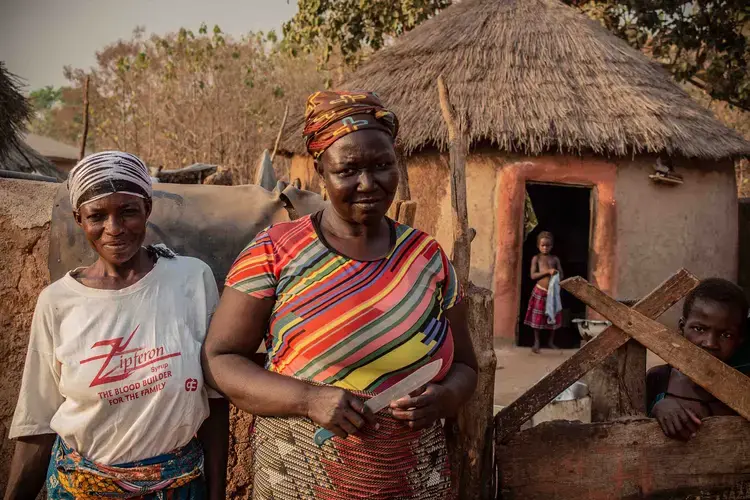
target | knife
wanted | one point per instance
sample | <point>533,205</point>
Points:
<point>397,391</point>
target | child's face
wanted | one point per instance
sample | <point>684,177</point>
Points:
<point>714,327</point>
<point>545,246</point>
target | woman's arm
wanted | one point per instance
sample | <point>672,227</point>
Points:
<point>214,437</point>
<point>236,331</point>
<point>28,469</point>
<point>445,398</point>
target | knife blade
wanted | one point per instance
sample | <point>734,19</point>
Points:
<point>402,388</point>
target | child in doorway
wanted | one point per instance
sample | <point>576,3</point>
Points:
<point>543,267</point>
<point>714,318</point>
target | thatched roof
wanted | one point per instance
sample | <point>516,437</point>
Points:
<point>14,110</point>
<point>51,148</point>
<point>534,76</point>
<point>22,158</point>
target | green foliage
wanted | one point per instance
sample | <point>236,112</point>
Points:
<point>704,42</point>
<point>349,26</point>
<point>58,113</point>
<point>45,98</point>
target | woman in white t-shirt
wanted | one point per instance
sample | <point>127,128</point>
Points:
<point>112,388</point>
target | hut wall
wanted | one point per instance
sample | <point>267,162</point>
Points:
<point>661,228</point>
<point>25,211</point>
<point>514,172</point>
<point>430,186</point>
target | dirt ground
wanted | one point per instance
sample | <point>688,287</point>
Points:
<point>519,369</point>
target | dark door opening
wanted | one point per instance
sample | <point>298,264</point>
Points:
<point>565,211</point>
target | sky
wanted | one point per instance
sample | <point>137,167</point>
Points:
<point>39,37</point>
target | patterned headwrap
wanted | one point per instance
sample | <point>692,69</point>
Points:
<point>330,115</point>
<point>101,174</point>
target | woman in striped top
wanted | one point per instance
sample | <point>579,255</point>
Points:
<point>347,302</point>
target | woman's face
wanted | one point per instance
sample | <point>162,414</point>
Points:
<point>115,225</point>
<point>360,175</point>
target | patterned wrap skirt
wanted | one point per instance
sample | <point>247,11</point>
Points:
<point>173,476</point>
<point>385,463</point>
<point>536,316</point>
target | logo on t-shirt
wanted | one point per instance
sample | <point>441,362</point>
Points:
<point>121,362</point>
<point>191,384</point>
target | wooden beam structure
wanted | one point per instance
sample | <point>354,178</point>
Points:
<point>510,419</point>
<point>718,378</point>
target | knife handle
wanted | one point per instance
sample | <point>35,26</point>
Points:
<point>322,435</point>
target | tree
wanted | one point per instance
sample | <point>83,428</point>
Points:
<point>192,97</point>
<point>350,27</point>
<point>704,42</point>
<point>45,98</point>
<point>57,113</point>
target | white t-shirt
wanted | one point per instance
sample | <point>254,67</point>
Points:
<point>117,373</point>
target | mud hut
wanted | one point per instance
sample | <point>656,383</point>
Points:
<point>633,177</point>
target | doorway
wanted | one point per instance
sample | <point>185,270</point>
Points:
<point>565,211</point>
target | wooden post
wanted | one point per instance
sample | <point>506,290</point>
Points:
<point>470,436</point>
<point>618,384</point>
<point>458,142</point>
<point>403,192</point>
<point>84,136</point>
<point>278,136</point>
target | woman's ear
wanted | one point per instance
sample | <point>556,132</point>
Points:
<point>149,205</point>
<point>318,167</point>
<point>77,217</point>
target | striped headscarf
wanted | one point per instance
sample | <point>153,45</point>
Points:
<point>330,115</point>
<point>101,174</point>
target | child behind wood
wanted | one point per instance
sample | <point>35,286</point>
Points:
<point>543,267</point>
<point>714,318</point>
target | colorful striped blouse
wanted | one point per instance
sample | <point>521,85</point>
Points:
<point>359,325</point>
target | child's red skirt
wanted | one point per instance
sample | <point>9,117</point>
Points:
<point>535,316</point>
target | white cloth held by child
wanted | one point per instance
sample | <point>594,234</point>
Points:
<point>554,304</point>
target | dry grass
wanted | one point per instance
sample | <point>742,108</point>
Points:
<point>14,111</point>
<point>22,158</point>
<point>535,76</point>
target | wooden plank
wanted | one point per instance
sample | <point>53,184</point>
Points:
<point>631,375</point>
<point>510,419</point>
<point>627,459</point>
<point>721,380</point>
<point>618,384</point>
<point>471,431</point>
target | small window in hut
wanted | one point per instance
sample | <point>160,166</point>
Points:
<point>565,211</point>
